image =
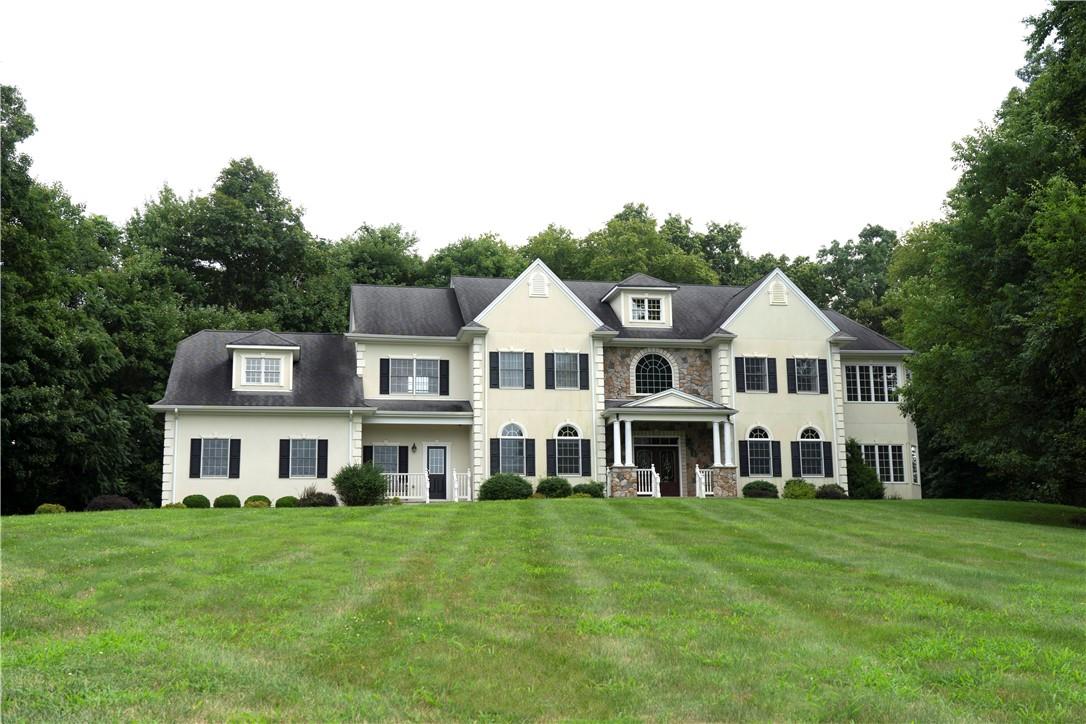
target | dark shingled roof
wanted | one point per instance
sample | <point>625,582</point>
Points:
<point>421,405</point>
<point>420,311</point>
<point>263,338</point>
<point>643,280</point>
<point>866,339</point>
<point>324,377</point>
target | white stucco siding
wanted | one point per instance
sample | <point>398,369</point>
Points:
<point>369,367</point>
<point>456,438</point>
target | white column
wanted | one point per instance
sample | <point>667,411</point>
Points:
<point>716,444</point>
<point>728,445</point>
<point>629,443</point>
<point>615,427</point>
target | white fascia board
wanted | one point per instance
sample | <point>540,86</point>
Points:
<point>403,339</point>
<point>778,274</point>
<point>538,265</point>
<point>260,409</point>
<point>625,288</point>
<point>876,352</point>
<point>664,414</point>
<point>390,417</point>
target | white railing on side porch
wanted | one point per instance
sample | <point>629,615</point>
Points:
<point>648,481</point>
<point>463,487</point>
<point>704,480</point>
<point>409,486</point>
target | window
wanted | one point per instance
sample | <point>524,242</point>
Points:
<point>652,374</point>
<point>215,457</point>
<point>888,461</point>
<point>262,370</point>
<point>756,373</point>
<point>916,465</point>
<point>806,375</point>
<point>810,454</point>
<point>511,369</point>
<point>567,371</point>
<point>413,376</point>
<point>759,459</point>
<point>646,309</point>
<point>867,383</point>
<point>400,372</point>
<point>511,450</point>
<point>303,458</point>
<point>568,451</point>
<point>387,457</point>
<point>426,377</point>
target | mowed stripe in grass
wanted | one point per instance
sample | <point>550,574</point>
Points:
<point>680,609</point>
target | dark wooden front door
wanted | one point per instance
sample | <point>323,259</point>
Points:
<point>666,460</point>
<point>435,465</point>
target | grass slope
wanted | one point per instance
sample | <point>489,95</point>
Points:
<point>678,609</point>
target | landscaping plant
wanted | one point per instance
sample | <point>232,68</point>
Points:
<point>505,486</point>
<point>798,489</point>
<point>227,501</point>
<point>196,501</point>
<point>554,488</point>
<point>760,489</point>
<point>363,484</point>
<point>110,502</point>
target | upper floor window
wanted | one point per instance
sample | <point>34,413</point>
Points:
<point>810,454</point>
<point>568,451</point>
<point>262,371</point>
<point>511,369</point>
<point>756,374</point>
<point>652,374</point>
<point>759,459</point>
<point>871,383</point>
<point>887,460</point>
<point>567,370</point>
<point>511,450</point>
<point>413,376</point>
<point>806,375</point>
<point>646,309</point>
<point>214,457</point>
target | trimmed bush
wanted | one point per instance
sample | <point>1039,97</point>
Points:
<point>583,495</point>
<point>798,489</point>
<point>760,489</point>
<point>554,488</point>
<point>505,486</point>
<point>831,491</point>
<point>256,504</point>
<point>49,508</point>
<point>863,481</point>
<point>175,505</point>
<point>312,498</point>
<point>363,484</point>
<point>592,490</point>
<point>227,501</point>
<point>263,498</point>
<point>110,502</point>
<point>287,501</point>
<point>196,501</point>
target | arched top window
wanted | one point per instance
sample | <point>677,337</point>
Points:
<point>758,452</point>
<point>810,434</point>
<point>512,430</point>
<point>758,433</point>
<point>511,450</point>
<point>652,374</point>
<point>568,431</point>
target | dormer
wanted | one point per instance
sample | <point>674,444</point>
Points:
<point>263,362</point>
<point>640,300</point>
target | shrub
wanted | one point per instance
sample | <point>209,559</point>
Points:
<point>831,491</point>
<point>110,502</point>
<point>361,485</point>
<point>863,481</point>
<point>592,490</point>
<point>312,498</point>
<point>47,508</point>
<point>396,501</point>
<point>175,505</point>
<point>554,488</point>
<point>257,504</point>
<point>196,501</point>
<point>1079,521</point>
<point>798,489</point>
<point>505,486</point>
<point>227,501</point>
<point>287,501</point>
<point>760,489</point>
<point>263,498</point>
<point>583,495</point>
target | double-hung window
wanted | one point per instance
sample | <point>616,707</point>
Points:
<point>567,370</point>
<point>511,450</point>
<point>214,457</point>
<point>888,461</point>
<point>303,458</point>
<point>757,375</point>
<point>511,370</point>
<point>387,457</point>
<point>806,375</point>
<point>646,309</point>
<point>568,451</point>
<point>871,383</point>
<point>810,454</point>
<point>413,376</point>
<point>262,370</point>
<point>759,457</point>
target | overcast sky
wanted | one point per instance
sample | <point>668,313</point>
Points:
<point>800,121</point>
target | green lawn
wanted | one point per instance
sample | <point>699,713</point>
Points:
<point>676,609</point>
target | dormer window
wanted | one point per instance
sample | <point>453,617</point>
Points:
<point>263,370</point>
<point>646,309</point>
<point>263,362</point>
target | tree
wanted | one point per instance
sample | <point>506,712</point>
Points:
<point>559,250</point>
<point>485,256</point>
<point>856,272</point>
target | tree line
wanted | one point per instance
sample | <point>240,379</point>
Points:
<point>991,296</point>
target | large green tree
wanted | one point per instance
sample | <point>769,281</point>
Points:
<point>485,256</point>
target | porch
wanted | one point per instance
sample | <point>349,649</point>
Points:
<point>422,463</point>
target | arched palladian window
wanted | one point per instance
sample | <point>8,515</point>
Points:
<point>759,456</point>
<point>811,463</point>
<point>568,451</point>
<point>511,457</point>
<point>652,374</point>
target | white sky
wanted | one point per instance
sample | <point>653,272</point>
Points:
<point>800,121</point>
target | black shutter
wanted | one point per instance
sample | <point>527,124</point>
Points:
<point>284,458</point>
<point>823,378</point>
<point>740,375</point>
<point>775,453</point>
<point>827,460</point>
<point>322,458</point>
<point>384,376</point>
<point>552,457</point>
<point>367,453</point>
<point>235,459</point>
<point>790,364</point>
<point>403,459</point>
<point>771,370</point>
<point>443,381</point>
<point>797,469</point>
<point>586,458</point>
<point>744,462</point>
<point>194,456</point>
<point>529,371</point>
<point>494,370</point>
<point>495,455</point>
<point>583,362</point>
<point>548,370</point>
<point>529,457</point>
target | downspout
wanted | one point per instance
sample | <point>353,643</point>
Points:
<point>350,436</point>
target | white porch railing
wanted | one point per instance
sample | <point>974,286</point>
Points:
<point>648,481</point>
<point>463,486</point>
<point>704,480</point>
<point>409,486</point>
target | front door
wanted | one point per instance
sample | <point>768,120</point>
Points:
<point>435,465</point>
<point>666,460</point>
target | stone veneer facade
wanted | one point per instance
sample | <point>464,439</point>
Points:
<point>692,370</point>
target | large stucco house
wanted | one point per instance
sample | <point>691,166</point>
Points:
<point>652,388</point>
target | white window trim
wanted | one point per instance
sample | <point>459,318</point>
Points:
<point>393,445</point>
<point>647,320</point>
<point>890,458</point>
<point>576,356</point>
<point>817,376</point>
<point>203,449</point>
<point>523,372</point>
<point>746,387</point>
<point>871,380</point>
<point>414,376</point>
<point>768,440</point>
<point>577,440</point>
<point>263,370</point>
<point>523,439</point>
<point>316,455</point>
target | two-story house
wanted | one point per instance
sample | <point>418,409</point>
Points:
<point>651,388</point>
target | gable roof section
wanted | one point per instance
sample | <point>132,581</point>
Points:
<point>262,338</point>
<point>202,374</point>
<point>538,266</point>
<point>866,339</point>
<point>672,397</point>
<point>757,287</point>
<point>411,311</point>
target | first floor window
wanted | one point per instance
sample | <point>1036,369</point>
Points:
<point>888,461</point>
<point>511,370</point>
<point>567,371</point>
<point>387,457</point>
<point>867,383</point>
<point>806,375</point>
<point>916,465</point>
<point>568,451</point>
<point>511,450</point>
<point>759,459</point>
<point>810,454</point>
<point>262,371</point>
<point>303,458</point>
<point>214,457</point>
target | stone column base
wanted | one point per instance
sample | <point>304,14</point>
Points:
<point>623,482</point>
<point>724,481</point>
